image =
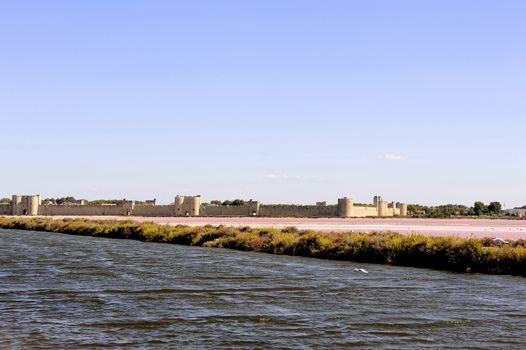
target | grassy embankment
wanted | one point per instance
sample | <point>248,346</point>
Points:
<point>444,253</point>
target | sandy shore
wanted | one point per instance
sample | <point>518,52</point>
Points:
<point>508,229</point>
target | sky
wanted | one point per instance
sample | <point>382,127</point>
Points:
<point>278,101</point>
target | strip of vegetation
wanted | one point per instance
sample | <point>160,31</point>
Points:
<point>479,209</point>
<point>232,203</point>
<point>444,253</point>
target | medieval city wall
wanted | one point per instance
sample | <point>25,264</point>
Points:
<point>225,210</point>
<point>282,210</point>
<point>251,208</point>
<point>192,206</point>
<point>5,209</point>
<point>83,210</point>
<point>102,210</point>
<point>363,212</point>
<point>154,210</point>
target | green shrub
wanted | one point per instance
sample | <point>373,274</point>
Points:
<point>446,253</point>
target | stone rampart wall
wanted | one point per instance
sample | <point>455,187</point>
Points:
<point>83,210</point>
<point>312,211</point>
<point>154,210</point>
<point>391,212</point>
<point>5,209</point>
<point>227,210</point>
<point>192,206</point>
<point>363,212</point>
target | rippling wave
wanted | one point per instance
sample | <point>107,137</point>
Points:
<point>59,291</point>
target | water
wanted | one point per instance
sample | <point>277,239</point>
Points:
<point>60,291</point>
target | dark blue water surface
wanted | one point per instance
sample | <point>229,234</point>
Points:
<point>60,291</point>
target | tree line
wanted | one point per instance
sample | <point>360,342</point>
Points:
<point>448,210</point>
<point>72,200</point>
<point>235,202</point>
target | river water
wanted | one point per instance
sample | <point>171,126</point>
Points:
<point>60,291</point>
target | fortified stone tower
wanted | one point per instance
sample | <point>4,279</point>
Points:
<point>128,207</point>
<point>187,205</point>
<point>403,208</point>
<point>376,200</point>
<point>196,205</point>
<point>25,205</point>
<point>381,205</point>
<point>345,206</point>
<point>253,208</point>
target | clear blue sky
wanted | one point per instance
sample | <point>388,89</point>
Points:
<point>280,101</point>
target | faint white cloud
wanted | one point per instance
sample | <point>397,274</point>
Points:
<point>393,157</point>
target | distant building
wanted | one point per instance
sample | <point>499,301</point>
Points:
<point>150,202</point>
<point>515,212</point>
